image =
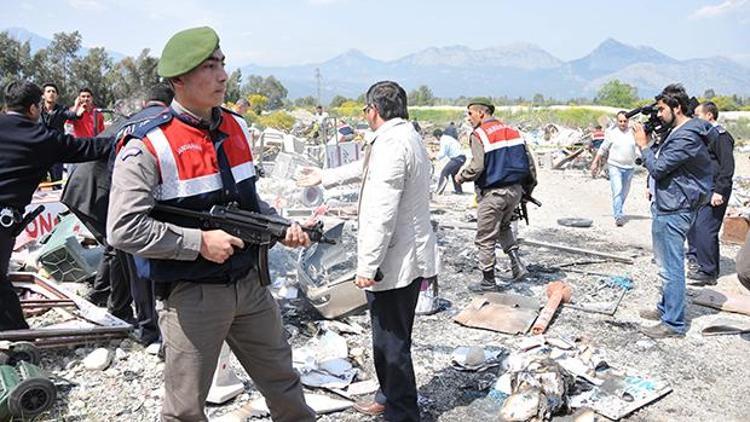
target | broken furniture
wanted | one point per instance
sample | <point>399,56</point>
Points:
<point>86,322</point>
<point>505,313</point>
<point>557,292</point>
<point>64,257</point>
<point>25,391</point>
<point>326,273</point>
<point>12,353</point>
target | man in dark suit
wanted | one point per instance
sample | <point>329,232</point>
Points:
<point>86,194</point>
<point>27,150</point>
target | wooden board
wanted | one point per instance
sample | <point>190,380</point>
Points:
<point>724,301</point>
<point>505,313</point>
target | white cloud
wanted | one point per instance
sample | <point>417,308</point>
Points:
<point>720,9</point>
<point>95,5</point>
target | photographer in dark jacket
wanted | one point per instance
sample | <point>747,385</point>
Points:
<point>27,150</point>
<point>703,238</point>
<point>680,181</point>
<point>54,116</point>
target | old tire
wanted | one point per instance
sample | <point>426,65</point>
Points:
<point>575,222</point>
<point>24,351</point>
<point>31,398</point>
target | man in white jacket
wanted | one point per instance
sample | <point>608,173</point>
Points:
<point>396,247</point>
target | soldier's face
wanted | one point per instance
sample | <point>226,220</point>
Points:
<point>475,116</point>
<point>204,86</point>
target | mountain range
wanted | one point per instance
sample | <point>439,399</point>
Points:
<point>515,70</point>
<point>38,42</point>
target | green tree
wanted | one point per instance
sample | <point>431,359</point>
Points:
<point>617,94</point>
<point>725,103</point>
<point>278,120</point>
<point>422,96</point>
<point>257,103</point>
<point>709,93</point>
<point>234,83</point>
<point>15,59</point>
<point>538,99</point>
<point>90,71</point>
<point>338,100</point>
<point>61,55</point>
<point>306,102</point>
<point>131,78</point>
<point>269,87</point>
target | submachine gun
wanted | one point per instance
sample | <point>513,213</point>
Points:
<point>253,228</point>
<point>522,212</point>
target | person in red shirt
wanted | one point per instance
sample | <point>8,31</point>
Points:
<point>91,122</point>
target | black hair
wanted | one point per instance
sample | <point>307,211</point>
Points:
<point>389,99</point>
<point>598,127</point>
<point>21,95</point>
<point>623,112</point>
<point>85,89</point>
<point>674,95</point>
<point>437,133</point>
<point>710,107</point>
<point>52,85</point>
<point>161,92</point>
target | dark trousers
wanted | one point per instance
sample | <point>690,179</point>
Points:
<point>56,173</point>
<point>112,282</point>
<point>392,313</point>
<point>142,290</point>
<point>449,172</point>
<point>11,316</point>
<point>703,238</point>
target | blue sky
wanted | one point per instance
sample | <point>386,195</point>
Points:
<point>300,31</point>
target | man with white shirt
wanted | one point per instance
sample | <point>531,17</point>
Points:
<point>620,144</point>
<point>450,148</point>
<point>396,247</point>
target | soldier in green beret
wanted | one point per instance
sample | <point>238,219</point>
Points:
<point>196,155</point>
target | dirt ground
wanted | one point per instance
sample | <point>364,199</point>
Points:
<point>708,375</point>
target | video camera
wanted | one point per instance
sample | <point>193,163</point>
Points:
<point>654,123</point>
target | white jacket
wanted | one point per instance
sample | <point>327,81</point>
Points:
<point>395,234</point>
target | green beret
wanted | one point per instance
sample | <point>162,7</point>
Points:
<point>482,101</point>
<point>186,50</point>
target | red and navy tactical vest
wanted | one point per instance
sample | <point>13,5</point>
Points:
<point>505,159</point>
<point>200,167</point>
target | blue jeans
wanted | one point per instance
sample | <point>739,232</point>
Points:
<point>668,232</point>
<point>619,181</point>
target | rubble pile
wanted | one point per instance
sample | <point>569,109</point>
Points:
<point>591,362</point>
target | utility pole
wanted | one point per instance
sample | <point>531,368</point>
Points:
<point>317,80</point>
